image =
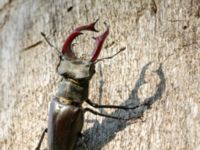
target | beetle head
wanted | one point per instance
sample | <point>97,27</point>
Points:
<point>72,67</point>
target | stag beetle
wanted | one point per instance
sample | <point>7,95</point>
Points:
<point>66,114</point>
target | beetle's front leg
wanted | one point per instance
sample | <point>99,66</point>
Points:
<point>41,139</point>
<point>110,57</point>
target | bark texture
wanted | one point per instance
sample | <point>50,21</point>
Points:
<point>161,65</point>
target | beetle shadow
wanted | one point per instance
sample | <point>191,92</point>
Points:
<point>101,84</point>
<point>102,133</point>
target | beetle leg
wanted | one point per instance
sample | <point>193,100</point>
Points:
<point>112,106</point>
<point>105,115</point>
<point>41,139</point>
<point>110,57</point>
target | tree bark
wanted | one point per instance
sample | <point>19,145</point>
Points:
<point>161,65</point>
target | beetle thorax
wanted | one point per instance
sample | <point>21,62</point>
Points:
<point>75,83</point>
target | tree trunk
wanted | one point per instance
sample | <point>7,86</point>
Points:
<point>161,66</point>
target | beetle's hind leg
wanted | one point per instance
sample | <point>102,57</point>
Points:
<point>41,139</point>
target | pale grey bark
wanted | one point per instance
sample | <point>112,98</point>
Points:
<point>163,32</point>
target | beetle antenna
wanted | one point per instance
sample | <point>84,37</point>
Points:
<point>110,57</point>
<point>46,39</point>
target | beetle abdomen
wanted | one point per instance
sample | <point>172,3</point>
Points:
<point>64,125</point>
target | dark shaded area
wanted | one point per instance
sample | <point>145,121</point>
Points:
<point>69,9</point>
<point>102,133</point>
<point>101,82</point>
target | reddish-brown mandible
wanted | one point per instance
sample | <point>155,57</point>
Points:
<point>66,50</point>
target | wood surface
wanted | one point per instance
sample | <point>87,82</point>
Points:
<point>161,65</point>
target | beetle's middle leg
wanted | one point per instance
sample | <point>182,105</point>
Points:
<point>108,116</point>
<point>41,139</point>
<point>113,106</point>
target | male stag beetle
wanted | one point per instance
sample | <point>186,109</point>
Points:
<point>66,114</point>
